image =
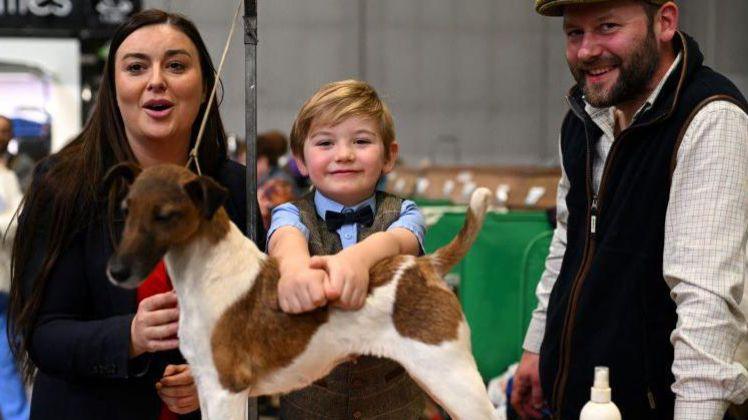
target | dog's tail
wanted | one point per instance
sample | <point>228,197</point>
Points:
<point>446,257</point>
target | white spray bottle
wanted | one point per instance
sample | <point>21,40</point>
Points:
<point>600,407</point>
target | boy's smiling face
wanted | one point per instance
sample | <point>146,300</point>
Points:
<point>344,161</point>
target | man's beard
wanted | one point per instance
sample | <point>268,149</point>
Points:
<point>634,75</point>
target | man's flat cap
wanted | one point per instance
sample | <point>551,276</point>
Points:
<point>556,7</point>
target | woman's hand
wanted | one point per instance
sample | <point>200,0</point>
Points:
<point>155,325</point>
<point>177,389</point>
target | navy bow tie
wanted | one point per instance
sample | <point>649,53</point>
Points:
<point>363,216</point>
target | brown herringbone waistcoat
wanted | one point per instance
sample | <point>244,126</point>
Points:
<point>367,387</point>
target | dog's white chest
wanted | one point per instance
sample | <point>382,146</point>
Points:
<point>212,278</point>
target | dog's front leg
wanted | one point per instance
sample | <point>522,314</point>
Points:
<point>216,403</point>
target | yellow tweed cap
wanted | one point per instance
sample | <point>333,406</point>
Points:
<point>556,7</point>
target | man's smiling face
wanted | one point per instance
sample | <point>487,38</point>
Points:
<point>611,50</point>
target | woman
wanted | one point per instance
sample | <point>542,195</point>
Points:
<point>103,352</point>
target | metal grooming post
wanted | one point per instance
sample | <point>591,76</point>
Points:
<point>250,130</point>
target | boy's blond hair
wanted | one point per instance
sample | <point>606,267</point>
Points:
<point>336,101</point>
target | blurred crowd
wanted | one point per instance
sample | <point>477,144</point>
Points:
<point>278,178</point>
<point>15,173</point>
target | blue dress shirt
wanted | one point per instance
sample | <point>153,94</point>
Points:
<point>288,215</point>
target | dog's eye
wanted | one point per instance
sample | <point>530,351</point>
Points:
<point>165,216</point>
<point>123,207</point>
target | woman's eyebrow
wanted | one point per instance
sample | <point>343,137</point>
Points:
<point>171,53</point>
<point>140,56</point>
<point>168,53</point>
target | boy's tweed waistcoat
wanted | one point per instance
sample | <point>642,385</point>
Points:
<point>367,387</point>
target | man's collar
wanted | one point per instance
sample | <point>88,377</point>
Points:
<point>323,204</point>
<point>656,92</point>
<point>690,59</point>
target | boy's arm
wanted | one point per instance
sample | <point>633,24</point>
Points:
<point>379,246</point>
<point>300,288</point>
<point>288,245</point>
<point>348,270</point>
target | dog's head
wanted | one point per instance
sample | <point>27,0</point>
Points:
<point>166,206</point>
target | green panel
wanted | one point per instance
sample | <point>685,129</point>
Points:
<point>423,202</point>
<point>534,264</point>
<point>497,281</point>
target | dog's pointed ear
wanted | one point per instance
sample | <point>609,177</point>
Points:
<point>207,195</point>
<point>126,171</point>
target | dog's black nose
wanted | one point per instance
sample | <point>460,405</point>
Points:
<point>119,272</point>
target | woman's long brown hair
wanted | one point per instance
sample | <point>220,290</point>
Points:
<point>67,193</point>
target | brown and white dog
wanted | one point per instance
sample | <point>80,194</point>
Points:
<point>236,340</point>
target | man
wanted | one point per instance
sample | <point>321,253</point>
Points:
<point>13,403</point>
<point>648,262</point>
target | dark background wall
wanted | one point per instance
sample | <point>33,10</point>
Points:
<point>469,81</point>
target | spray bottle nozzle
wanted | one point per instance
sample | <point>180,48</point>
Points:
<point>600,406</point>
<point>600,391</point>
<point>601,377</point>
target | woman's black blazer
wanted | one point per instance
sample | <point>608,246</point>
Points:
<point>81,339</point>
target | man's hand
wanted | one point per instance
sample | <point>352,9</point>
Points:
<point>527,396</point>
<point>177,389</point>
<point>348,283</point>
<point>302,291</point>
<point>155,325</point>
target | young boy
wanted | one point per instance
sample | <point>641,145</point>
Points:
<point>326,242</point>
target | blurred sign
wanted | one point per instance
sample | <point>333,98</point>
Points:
<point>55,17</point>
